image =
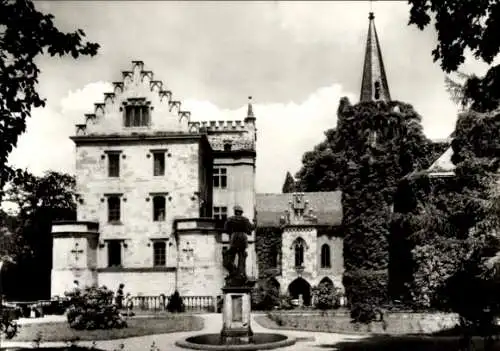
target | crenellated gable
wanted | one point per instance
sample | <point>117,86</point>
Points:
<point>139,104</point>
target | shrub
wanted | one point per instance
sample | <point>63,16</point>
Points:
<point>265,296</point>
<point>8,325</point>
<point>327,296</point>
<point>285,302</point>
<point>368,292</point>
<point>92,308</point>
<point>175,303</point>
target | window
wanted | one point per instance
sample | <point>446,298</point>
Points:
<point>299,252</point>
<point>113,209</point>
<point>372,138</point>
<point>136,116</point>
<point>159,208</point>
<point>220,177</point>
<point>273,260</point>
<point>377,90</point>
<point>159,253</point>
<point>220,215</point>
<point>114,253</point>
<point>159,163</point>
<point>325,256</point>
<point>113,165</point>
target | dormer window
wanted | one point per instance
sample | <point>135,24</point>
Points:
<point>137,113</point>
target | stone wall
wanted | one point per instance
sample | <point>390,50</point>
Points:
<point>334,273</point>
<point>289,272</point>
<point>200,265</point>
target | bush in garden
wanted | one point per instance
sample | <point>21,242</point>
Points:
<point>175,303</point>
<point>8,324</point>
<point>285,302</point>
<point>92,308</point>
<point>326,296</point>
<point>368,293</point>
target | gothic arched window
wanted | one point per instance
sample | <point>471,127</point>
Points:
<point>299,246</point>
<point>325,256</point>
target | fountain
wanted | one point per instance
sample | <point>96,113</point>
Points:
<point>236,333</point>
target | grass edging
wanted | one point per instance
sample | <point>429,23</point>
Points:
<point>266,322</point>
<point>60,331</point>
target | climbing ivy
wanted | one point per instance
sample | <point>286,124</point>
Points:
<point>377,143</point>
<point>267,244</point>
<point>445,225</point>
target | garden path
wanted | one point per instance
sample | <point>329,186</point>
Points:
<point>212,324</point>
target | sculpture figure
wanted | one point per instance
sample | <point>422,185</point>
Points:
<point>238,227</point>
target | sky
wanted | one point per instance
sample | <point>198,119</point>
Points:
<point>297,59</point>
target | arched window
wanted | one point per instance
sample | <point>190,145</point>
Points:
<point>299,245</point>
<point>325,256</point>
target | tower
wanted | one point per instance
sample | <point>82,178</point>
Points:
<point>374,86</point>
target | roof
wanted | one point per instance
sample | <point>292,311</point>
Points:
<point>374,85</point>
<point>443,165</point>
<point>327,207</point>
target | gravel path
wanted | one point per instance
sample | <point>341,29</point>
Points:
<point>212,324</point>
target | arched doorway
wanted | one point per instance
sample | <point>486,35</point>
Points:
<point>300,286</point>
<point>326,281</point>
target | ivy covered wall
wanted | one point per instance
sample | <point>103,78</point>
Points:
<point>378,144</point>
<point>268,247</point>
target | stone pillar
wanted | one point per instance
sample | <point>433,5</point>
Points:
<point>236,309</point>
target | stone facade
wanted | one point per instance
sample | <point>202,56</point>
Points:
<point>145,176</point>
<point>308,256</point>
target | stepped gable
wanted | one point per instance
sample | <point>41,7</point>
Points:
<point>163,112</point>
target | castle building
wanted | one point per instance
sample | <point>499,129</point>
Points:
<point>148,180</point>
<point>154,187</point>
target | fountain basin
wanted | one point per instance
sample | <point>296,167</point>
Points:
<point>261,341</point>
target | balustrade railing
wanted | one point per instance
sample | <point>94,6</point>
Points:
<point>159,303</point>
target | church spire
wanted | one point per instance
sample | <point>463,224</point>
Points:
<point>374,85</point>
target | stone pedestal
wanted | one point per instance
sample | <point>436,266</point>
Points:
<point>236,327</point>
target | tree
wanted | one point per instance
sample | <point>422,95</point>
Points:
<point>465,25</point>
<point>320,167</point>
<point>26,33</point>
<point>40,200</point>
<point>289,184</point>
<point>451,225</point>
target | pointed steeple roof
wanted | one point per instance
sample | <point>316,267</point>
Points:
<point>374,85</point>
<point>250,115</point>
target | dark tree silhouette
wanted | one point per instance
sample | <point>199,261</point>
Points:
<point>26,33</point>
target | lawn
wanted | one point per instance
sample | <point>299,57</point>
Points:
<point>136,327</point>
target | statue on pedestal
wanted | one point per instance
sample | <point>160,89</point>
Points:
<point>238,227</point>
